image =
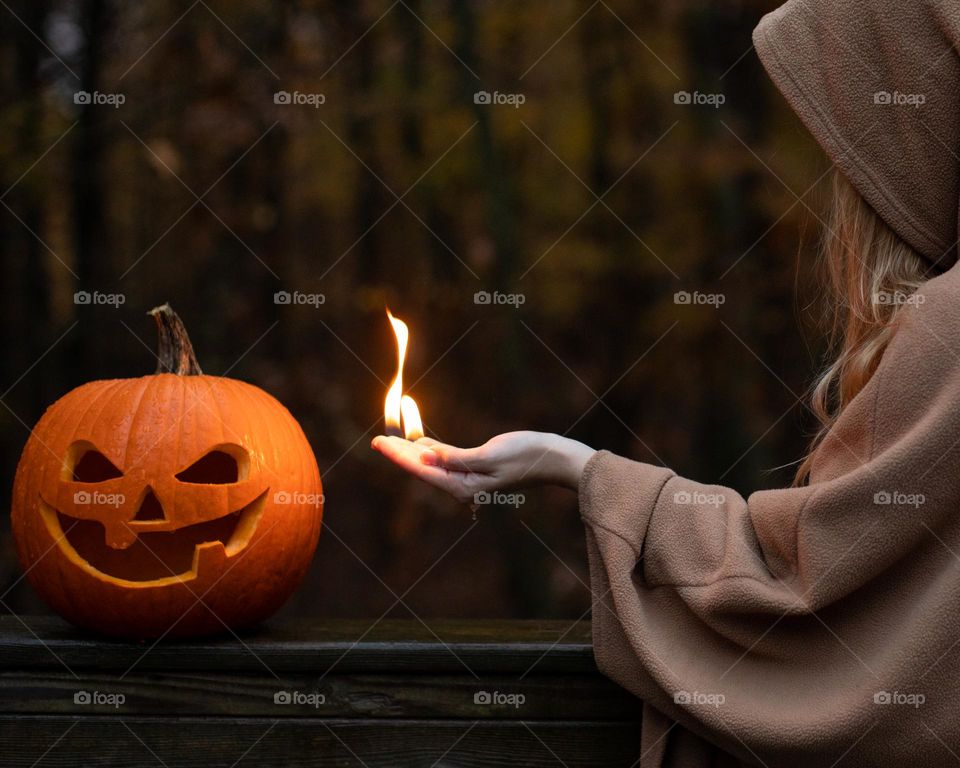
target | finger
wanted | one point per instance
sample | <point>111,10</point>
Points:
<point>432,458</point>
<point>393,446</point>
<point>406,455</point>
<point>456,459</point>
<point>428,457</point>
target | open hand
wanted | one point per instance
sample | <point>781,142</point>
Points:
<point>507,461</point>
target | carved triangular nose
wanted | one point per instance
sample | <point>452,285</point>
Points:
<point>150,508</point>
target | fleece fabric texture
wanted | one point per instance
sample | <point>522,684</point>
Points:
<point>877,83</point>
<point>802,625</point>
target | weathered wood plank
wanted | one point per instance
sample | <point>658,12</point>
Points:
<point>62,742</point>
<point>536,697</point>
<point>398,695</point>
<point>457,647</point>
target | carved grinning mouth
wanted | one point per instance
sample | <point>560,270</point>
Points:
<point>154,556</point>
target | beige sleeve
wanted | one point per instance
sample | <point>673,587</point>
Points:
<point>768,624</point>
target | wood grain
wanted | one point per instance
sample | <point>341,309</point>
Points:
<point>225,743</point>
<point>350,646</point>
<point>304,694</point>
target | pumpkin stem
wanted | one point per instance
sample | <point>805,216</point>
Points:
<point>174,350</point>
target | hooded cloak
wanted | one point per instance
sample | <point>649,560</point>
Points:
<point>817,625</point>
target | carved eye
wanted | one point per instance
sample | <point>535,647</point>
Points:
<point>94,467</point>
<point>215,468</point>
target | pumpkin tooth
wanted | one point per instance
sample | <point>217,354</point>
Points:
<point>119,535</point>
<point>209,557</point>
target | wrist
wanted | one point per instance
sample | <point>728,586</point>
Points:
<point>565,460</point>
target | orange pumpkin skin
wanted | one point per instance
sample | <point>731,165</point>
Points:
<point>166,506</point>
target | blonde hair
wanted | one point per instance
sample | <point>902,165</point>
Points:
<point>870,271</point>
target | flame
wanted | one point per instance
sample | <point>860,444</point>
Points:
<point>412,425</point>
<point>391,407</point>
<point>397,405</point>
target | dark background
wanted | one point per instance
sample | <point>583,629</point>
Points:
<point>500,199</point>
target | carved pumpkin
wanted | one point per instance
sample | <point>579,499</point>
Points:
<point>172,505</point>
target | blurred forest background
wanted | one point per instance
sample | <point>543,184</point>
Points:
<point>596,200</point>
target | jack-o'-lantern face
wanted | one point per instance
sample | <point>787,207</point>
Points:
<point>119,525</point>
<point>173,504</point>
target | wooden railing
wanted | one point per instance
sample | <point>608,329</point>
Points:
<point>319,693</point>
